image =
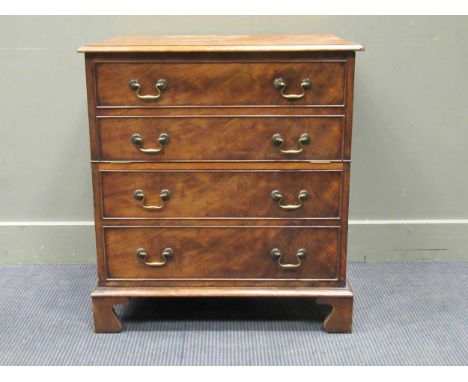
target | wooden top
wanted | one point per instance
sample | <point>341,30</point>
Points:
<point>222,43</point>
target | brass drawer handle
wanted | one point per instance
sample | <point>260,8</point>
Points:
<point>279,83</point>
<point>137,140</point>
<point>165,253</point>
<point>140,196</point>
<point>160,85</point>
<point>276,253</point>
<point>278,140</point>
<point>277,196</point>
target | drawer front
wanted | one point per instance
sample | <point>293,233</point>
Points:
<point>221,138</point>
<point>221,83</point>
<point>221,193</point>
<point>222,252</point>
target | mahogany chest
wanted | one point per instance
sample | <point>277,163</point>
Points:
<point>221,168</point>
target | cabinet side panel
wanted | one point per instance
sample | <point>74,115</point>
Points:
<point>347,166</point>
<point>94,144</point>
<point>91,94</point>
<point>344,224</point>
<point>349,105</point>
<point>101,260</point>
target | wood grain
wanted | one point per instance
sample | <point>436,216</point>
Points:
<point>273,292</point>
<point>128,166</point>
<point>225,138</point>
<point>220,110</point>
<point>221,194</point>
<point>193,83</point>
<point>105,319</point>
<point>340,319</point>
<point>222,252</point>
<point>222,43</point>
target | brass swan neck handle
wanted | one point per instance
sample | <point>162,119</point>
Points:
<point>278,140</point>
<point>276,253</point>
<point>280,84</point>
<point>137,140</point>
<point>140,196</point>
<point>278,196</point>
<point>165,253</point>
<point>159,85</point>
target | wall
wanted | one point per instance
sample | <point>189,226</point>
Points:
<point>409,185</point>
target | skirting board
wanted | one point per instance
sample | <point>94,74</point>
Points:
<point>369,240</point>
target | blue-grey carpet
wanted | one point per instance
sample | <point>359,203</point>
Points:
<point>405,314</point>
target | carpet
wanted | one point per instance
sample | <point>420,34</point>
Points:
<point>404,314</point>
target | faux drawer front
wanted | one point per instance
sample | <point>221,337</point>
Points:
<point>222,252</point>
<point>220,84</point>
<point>219,194</point>
<point>221,138</point>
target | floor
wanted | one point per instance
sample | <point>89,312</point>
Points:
<point>405,314</point>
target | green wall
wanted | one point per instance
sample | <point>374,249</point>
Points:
<point>409,184</point>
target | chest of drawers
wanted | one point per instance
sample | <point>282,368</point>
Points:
<point>221,168</point>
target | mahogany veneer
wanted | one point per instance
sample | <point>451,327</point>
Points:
<point>228,252</point>
<point>201,83</point>
<point>221,193</point>
<point>221,168</point>
<point>217,138</point>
